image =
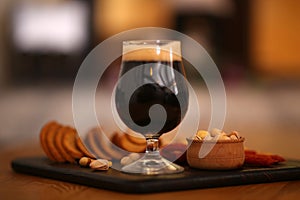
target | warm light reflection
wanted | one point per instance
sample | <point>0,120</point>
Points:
<point>114,16</point>
<point>157,50</point>
<point>57,27</point>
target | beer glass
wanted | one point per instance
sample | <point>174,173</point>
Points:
<point>151,98</point>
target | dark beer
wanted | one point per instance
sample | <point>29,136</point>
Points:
<point>161,86</point>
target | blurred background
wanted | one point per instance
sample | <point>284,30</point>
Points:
<point>255,44</point>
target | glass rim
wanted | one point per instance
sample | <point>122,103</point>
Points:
<point>150,42</point>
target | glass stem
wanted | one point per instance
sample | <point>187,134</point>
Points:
<point>152,146</point>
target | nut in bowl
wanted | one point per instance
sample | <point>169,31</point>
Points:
<point>216,151</point>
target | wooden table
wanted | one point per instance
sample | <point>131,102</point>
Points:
<point>20,186</point>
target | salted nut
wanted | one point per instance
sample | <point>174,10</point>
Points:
<point>217,135</point>
<point>85,161</point>
<point>130,159</point>
<point>100,164</point>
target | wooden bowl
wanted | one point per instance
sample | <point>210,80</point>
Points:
<point>224,154</point>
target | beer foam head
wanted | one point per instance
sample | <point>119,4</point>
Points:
<point>151,50</point>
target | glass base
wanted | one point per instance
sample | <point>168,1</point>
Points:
<point>152,164</point>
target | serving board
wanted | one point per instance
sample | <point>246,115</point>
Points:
<point>129,183</point>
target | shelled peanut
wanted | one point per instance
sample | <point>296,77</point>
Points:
<point>217,135</point>
<point>126,160</point>
<point>96,164</point>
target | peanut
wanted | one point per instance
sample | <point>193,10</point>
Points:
<point>202,134</point>
<point>199,138</point>
<point>216,134</point>
<point>130,158</point>
<point>126,160</point>
<point>100,164</point>
<point>233,137</point>
<point>234,133</point>
<point>85,161</point>
<point>224,137</point>
<point>134,156</point>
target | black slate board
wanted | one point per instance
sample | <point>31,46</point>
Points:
<point>128,183</point>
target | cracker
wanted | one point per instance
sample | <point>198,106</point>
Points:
<point>95,148</point>
<point>115,139</point>
<point>83,149</point>
<point>87,142</point>
<point>50,142</point>
<point>130,146</point>
<point>115,142</point>
<point>135,138</point>
<point>106,145</point>
<point>69,143</point>
<point>58,140</point>
<point>43,135</point>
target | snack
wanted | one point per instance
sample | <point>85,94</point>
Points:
<point>126,160</point>
<point>135,138</point>
<point>115,139</point>
<point>83,149</point>
<point>50,142</point>
<point>130,146</point>
<point>251,158</point>
<point>61,143</point>
<point>216,150</point>
<point>91,141</point>
<point>216,134</point>
<point>129,142</point>
<point>69,143</point>
<point>254,158</point>
<point>106,145</point>
<point>100,164</point>
<point>130,158</point>
<point>216,155</point>
<point>58,140</point>
<point>85,161</point>
<point>95,164</point>
<point>43,135</point>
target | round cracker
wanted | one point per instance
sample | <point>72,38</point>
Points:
<point>50,142</point>
<point>135,138</point>
<point>69,143</point>
<point>106,145</point>
<point>130,146</point>
<point>87,141</point>
<point>95,147</point>
<point>115,139</point>
<point>43,135</point>
<point>115,144</point>
<point>83,149</point>
<point>58,140</point>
